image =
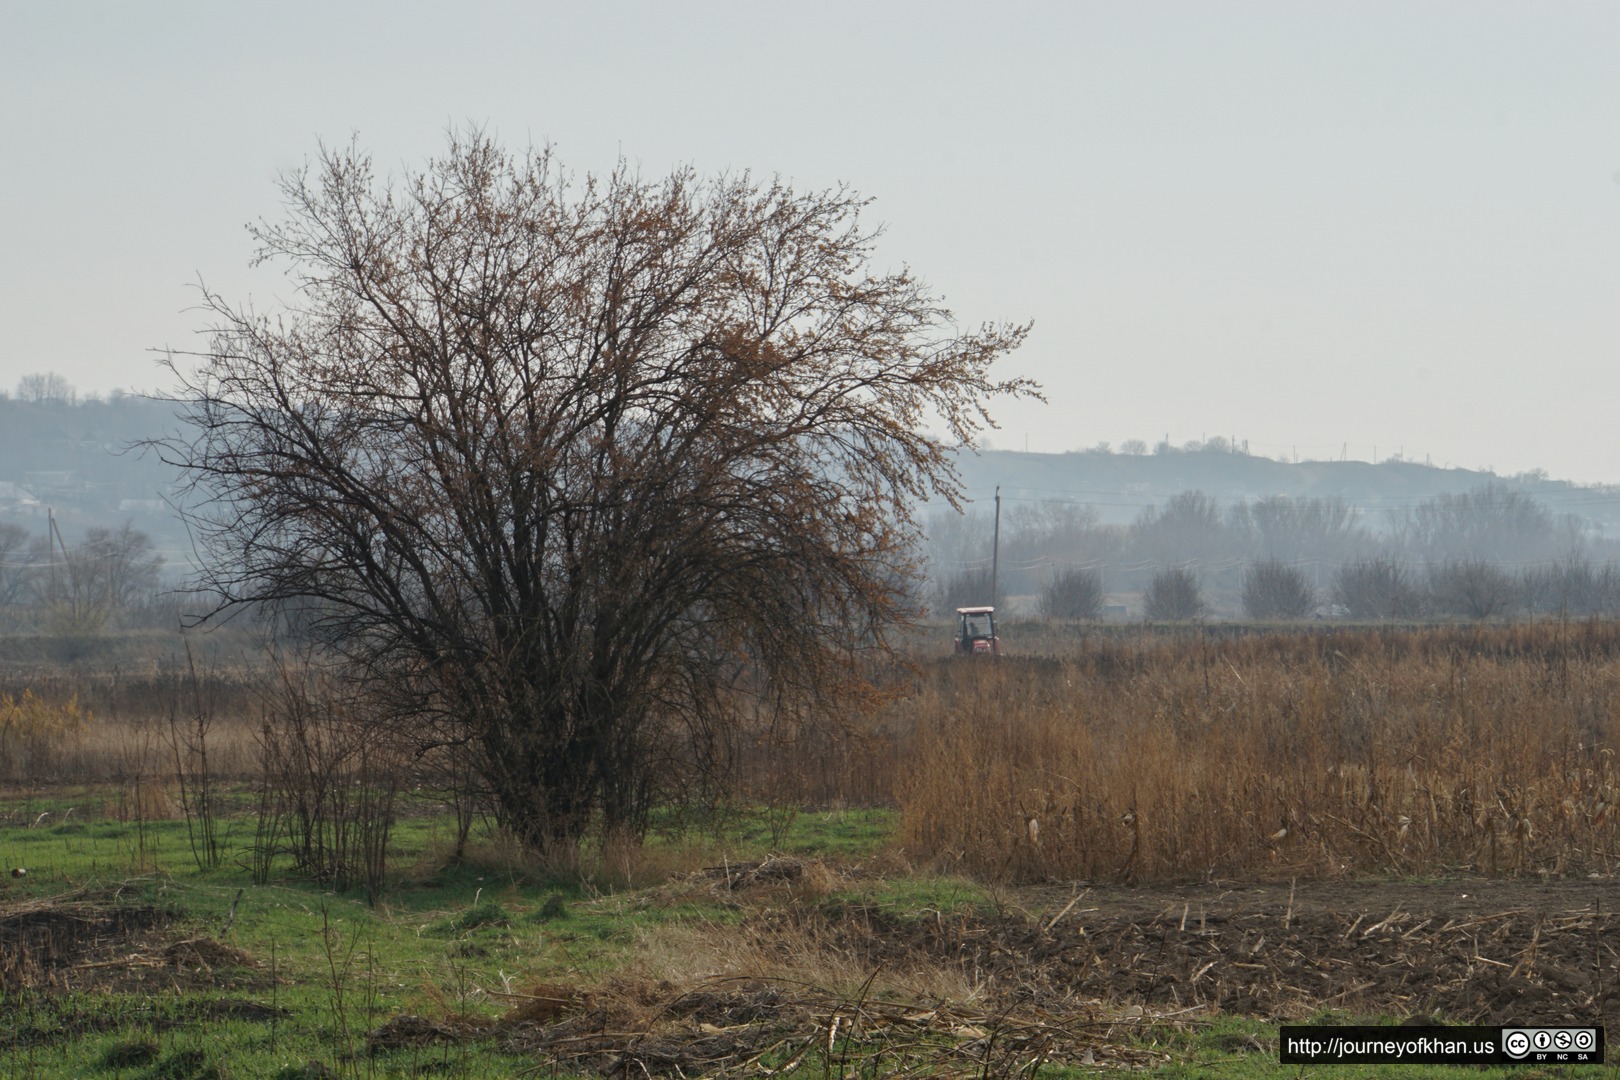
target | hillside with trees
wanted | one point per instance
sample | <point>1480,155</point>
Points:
<point>1134,530</point>
<point>79,458</point>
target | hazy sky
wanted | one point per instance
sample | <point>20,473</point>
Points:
<point>1392,226</point>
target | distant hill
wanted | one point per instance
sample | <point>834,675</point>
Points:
<point>83,461</point>
<point>1119,486</point>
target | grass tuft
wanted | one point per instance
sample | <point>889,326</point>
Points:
<point>479,916</point>
<point>130,1055</point>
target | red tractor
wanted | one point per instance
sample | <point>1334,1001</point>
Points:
<point>976,632</point>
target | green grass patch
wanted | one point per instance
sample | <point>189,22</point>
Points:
<point>846,833</point>
<point>921,896</point>
<point>287,973</point>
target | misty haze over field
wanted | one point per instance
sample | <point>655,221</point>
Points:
<point>1123,515</point>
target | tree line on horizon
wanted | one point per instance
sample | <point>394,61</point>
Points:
<point>1490,551</point>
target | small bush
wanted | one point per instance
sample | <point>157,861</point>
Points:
<point>331,776</point>
<point>1475,589</point>
<point>553,907</point>
<point>1376,589</point>
<point>1073,594</point>
<point>481,915</point>
<point>1274,590</point>
<point>1173,596</point>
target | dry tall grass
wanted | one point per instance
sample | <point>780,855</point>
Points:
<point>1131,757</point>
<point>97,727</point>
<point>1486,749</point>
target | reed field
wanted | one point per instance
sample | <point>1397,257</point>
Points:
<point>1129,847</point>
<point>1266,756</point>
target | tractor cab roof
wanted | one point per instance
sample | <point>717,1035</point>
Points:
<point>975,610</point>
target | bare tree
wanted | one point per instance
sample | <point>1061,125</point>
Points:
<point>1275,590</point>
<point>968,588</point>
<point>14,564</point>
<point>956,539</point>
<point>43,388</point>
<point>1036,534</point>
<point>83,586</point>
<point>1290,528</point>
<point>1187,526</point>
<point>1073,594</point>
<point>1492,523</point>
<point>119,566</point>
<point>582,474</point>
<point>1571,587</point>
<point>1173,596</point>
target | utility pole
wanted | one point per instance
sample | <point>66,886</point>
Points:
<point>995,548</point>
<point>68,570</point>
<point>52,540</point>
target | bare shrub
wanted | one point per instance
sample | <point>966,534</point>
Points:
<point>1173,596</point>
<point>1073,594</point>
<point>192,713</point>
<point>1376,588</point>
<point>1571,587</point>
<point>331,777</point>
<point>1274,590</point>
<point>1475,589</point>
